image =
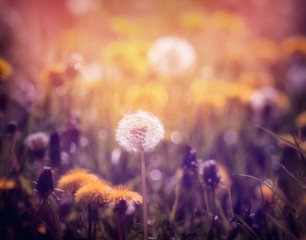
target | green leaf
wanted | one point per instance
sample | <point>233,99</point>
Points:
<point>26,185</point>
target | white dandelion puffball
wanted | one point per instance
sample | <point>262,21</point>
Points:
<point>264,97</point>
<point>172,56</point>
<point>140,131</point>
<point>37,141</point>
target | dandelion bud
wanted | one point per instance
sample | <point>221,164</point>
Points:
<point>11,128</point>
<point>44,185</point>
<point>55,149</point>
<point>189,167</point>
<point>140,131</point>
<point>55,74</point>
<point>211,174</point>
<point>37,143</point>
<point>71,134</point>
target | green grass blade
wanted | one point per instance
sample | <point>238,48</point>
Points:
<point>283,140</point>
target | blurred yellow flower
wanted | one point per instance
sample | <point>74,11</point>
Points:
<point>256,79</point>
<point>192,19</point>
<point>225,180</point>
<point>7,184</point>
<point>227,21</point>
<point>130,56</point>
<point>53,75</point>
<point>217,92</point>
<point>264,49</point>
<point>42,229</point>
<point>265,192</point>
<point>290,138</point>
<point>147,94</point>
<point>123,193</point>
<point>75,179</point>
<point>6,70</point>
<point>294,44</point>
<point>77,39</point>
<point>96,193</point>
<point>301,119</point>
<point>124,26</point>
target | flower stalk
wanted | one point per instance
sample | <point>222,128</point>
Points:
<point>144,196</point>
<point>89,221</point>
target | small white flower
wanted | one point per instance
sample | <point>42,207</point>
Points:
<point>172,56</point>
<point>140,131</point>
<point>37,141</point>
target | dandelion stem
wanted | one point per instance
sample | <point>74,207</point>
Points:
<point>213,202</point>
<point>119,219</point>
<point>230,203</point>
<point>89,221</point>
<point>174,206</point>
<point>206,203</point>
<point>144,196</point>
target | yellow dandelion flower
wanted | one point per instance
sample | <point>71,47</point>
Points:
<point>123,193</point>
<point>7,184</point>
<point>75,179</point>
<point>301,119</point>
<point>6,69</point>
<point>294,44</point>
<point>97,193</point>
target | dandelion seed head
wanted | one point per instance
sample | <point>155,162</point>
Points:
<point>140,131</point>
<point>37,141</point>
<point>263,97</point>
<point>97,193</point>
<point>172,56</point>
<point>211,174</point>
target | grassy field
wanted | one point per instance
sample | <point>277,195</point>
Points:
<point>189,116</point>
